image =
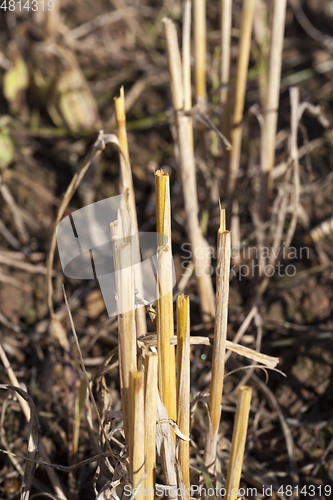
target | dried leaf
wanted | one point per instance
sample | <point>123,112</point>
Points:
<point>71,100</point>
<point>165,447</point>
<point>150,340</point>
<point>15,81</point>
<point>57,330</point>
<point>7,149</point>
<point>79,403</point>
<point>175,428</point>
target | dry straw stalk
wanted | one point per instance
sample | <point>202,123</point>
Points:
<point>269,361</point>
<point>200,48</point>
<point>150,419</point>
<point>220,338</point>
<point>183,384</point>
<point>126,188</point>
<point>126,327</point>
<point>226,18</point>
<point>242,71</point>
<point>238,443</point>
<point>121,124</point>
<point>164,323</point>
<point>295,105</point>
<point>187,63</point>
<point>273,94</point>
<point>188,174</point>
<point>166,449</point>
<point>187,55</point>
<point>137,440</point>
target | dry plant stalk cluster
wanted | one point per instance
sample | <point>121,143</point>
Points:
<point>173,379</point>
<point>159,396</point>
<point>161,392</point>
<point>156,397</point>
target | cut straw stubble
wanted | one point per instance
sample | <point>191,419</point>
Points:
<point>137,431</point>
<point>220,338</point>
<point>188,173</point>
<point>164,318</point>
<point>126,327</point>
<point>183,385</point>
<point>150,379</point>
<point>238,443</point>
<point>127,189</point>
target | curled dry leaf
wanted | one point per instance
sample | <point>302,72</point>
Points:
<point>165,446</point>
<point>175,428</point>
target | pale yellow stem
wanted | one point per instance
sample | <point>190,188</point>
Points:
<point>273,95</point>
<point>127,189</point>
<point>137,433</point>
<point>225,22</point>
<point>183,385</point>
<point>188,173</point>
<point>242,72</point>
<point>238,443</point>
<point>126,326</point>
<point>164,324</point>
<point>200,48</point>
<point>220,339</point>
<point>150,419</point>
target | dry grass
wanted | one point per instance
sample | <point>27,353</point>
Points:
<point>220,338</point>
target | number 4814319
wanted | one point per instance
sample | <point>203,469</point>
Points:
<point>22,5</point>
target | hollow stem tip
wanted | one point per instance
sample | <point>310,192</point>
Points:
<point>121,122</point>
<point>222,228</point>
<point>162,181</point>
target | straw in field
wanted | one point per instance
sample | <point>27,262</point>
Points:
<point>238,443</point>
<point>242,70</point>
<point>187,167</point>
<point>183,384</point>
<point>137,431</point>
<point>164,319</point>
<point>273,95</point>
<point>150,380</point>
<point>127,189</point>
<point>220,338</point>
